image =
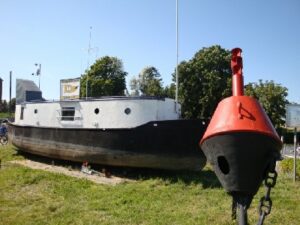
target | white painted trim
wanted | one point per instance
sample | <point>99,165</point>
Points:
<point>111,113</point>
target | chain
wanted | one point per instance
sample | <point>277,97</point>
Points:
<point>265,204</point>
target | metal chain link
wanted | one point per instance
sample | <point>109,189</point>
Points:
<point>265,204</point>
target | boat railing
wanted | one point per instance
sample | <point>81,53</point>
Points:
<point>102,98</point>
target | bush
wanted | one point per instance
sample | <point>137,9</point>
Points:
<point>287,166</point>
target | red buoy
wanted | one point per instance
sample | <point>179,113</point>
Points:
<point>240,141</point>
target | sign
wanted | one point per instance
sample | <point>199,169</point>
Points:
<point>70,88</point>
<point>292,115</point>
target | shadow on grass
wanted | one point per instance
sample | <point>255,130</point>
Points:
<point>206,177</point>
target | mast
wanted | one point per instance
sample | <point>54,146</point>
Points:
<point>9,105</point>
<point>90,50</point>
<point>88,65</point>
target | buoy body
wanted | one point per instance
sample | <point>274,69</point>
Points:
<point>240,114</point>
<point>240,140</point>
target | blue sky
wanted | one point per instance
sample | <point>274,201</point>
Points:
<point>142,33</point>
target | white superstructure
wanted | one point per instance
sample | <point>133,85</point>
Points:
<point>104,113</point>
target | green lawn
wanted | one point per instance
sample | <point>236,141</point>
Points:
<point>157,197</point>
<point>6,115</point>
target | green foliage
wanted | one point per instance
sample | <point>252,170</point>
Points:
<point>3,106</point>
<point>134,87</point>
<point>204,81</point>
<point>169,91</point>
<point>287,166</point>
<point>272,96</point>
<point>4,115</point>
<point>149,82</point>
<point>8,106</point>
<point>106,77</point>
<point>12,105</point>
<point>8,153</point>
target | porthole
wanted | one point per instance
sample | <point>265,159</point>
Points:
<point>97,111</point>
<point>127,111</point>
<point>35,111</point>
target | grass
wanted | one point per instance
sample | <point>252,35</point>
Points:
<point>157,197</point>
<point>6,115</point>
<point>287,166</point>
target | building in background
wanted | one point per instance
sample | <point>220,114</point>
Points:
<point>27,91</point>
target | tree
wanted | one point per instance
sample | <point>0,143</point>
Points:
<point>12,105</point>
<point>204,81</point>
<point>169,91</point>
<point>272,97</point>
<point>134,86</point>
<point>149,82</point>
<point>3,106</point>
<point>106,77</point>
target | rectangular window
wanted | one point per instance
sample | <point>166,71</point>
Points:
<point>67,113</point>
<point>22,113</point>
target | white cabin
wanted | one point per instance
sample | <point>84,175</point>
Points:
<point>103,113</point>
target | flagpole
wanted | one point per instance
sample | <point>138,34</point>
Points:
<point>176,92</point>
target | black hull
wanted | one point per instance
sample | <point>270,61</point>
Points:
<point>161,144</point>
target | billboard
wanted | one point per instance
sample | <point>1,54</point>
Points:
<point>292,115</point>
<point>70,88</point>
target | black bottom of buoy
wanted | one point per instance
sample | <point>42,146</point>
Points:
<point>240,160</point>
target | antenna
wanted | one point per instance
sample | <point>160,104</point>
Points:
<point>89,50</point>
<point>38,72</point>
<point>88,65</point>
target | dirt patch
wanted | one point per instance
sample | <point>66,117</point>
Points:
<point>97,177</point>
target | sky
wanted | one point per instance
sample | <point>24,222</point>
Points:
<point>55,34</point>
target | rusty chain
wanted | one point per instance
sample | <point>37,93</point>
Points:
<point>265,204</point>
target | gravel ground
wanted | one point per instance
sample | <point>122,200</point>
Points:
<point>99,178</point>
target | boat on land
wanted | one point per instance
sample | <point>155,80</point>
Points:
<point>144,132</point>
